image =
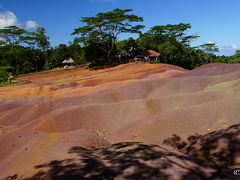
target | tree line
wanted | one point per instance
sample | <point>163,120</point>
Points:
<point>97,43</point>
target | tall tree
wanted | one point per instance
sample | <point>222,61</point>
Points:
<point>43,43</point>
<point>31,39</point>
<point>237,52</point>
<point>175,31</point>
<point>42,39</point>
<point>209,48</point>
<point>12,35</point>
<point>104,29</point>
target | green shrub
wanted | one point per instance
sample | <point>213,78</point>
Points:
<point>2,84</point>
<point>3,73</point>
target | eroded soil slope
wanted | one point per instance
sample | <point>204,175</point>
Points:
<point>41,121</point>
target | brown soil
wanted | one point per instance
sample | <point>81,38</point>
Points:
<point>135,102</point>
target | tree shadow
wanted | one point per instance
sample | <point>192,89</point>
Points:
<point>221,147</point>
<point>177,143</point>
<point>129,161</point>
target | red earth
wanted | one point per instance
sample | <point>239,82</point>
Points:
<point>135,102</point>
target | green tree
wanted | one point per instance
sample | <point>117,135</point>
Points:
<point>104,29</point>
<point>237,52</point>
<point>94,54</point>
<point>43,43</point>
<point>126,44</point>
<point>19,50</point>
<point>169,31</point>
<point>172,42</point>
<point>209,47</point>
<point>147,41</point>
<point>42,39</point>
<point>31,39</point>
<point>58,54</point>
<point>12,36</point>
<point>77,53</point>
<point>4,73</point>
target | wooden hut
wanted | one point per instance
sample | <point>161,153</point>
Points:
<point>68,62</point>
<point>147,56</point>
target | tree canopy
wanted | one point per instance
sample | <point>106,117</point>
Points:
<point>104,28</point>
<point>12,35</point>
<point>209,47</point>
<point>97,42</point>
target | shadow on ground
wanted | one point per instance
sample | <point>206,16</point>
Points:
<point>221,147</point>
<point>129,161</point>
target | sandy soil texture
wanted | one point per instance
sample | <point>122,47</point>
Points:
<point>135,102</point>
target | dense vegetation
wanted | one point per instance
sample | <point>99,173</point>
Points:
<point>97,42</point>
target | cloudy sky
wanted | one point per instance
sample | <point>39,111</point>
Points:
<point>213,20</point>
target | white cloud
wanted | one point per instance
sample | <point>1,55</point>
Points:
<point>228,50</point>
<point>7,18</point>
<point>225,48</point>
<point>30,24</point>
<point>234,46</point>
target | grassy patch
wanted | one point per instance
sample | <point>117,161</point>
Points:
<point>2,84</point>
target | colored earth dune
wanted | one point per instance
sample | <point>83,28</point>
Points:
<point>131,121</point>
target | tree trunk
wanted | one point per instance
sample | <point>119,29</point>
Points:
<point>109,57</point>
<point>35,65</point>
<point>46,62</point>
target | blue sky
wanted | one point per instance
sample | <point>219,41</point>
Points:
<point>213,20</point>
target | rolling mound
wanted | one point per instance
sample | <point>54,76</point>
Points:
<point>135,102</point>
<point>130,161</point>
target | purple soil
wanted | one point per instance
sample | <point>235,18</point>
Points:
<point>133,102</point>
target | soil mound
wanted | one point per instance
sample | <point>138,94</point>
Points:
<point>221,147</point>
<point>129,161</point>
<point>135,102</point>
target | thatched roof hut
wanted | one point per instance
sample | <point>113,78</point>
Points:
<point>147,56</point>
<point>68,60</point>
<point>149,53</point>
